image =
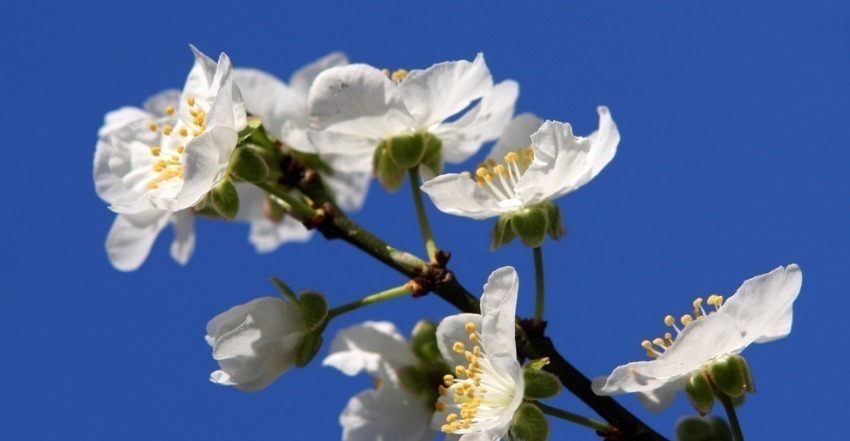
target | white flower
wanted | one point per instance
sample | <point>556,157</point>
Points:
<point>760,311</point>
<point>389,412</point>
<point>283,109</point>
<point>354,108</point>
<point>516,176</point>
<point>171,161</point>
<point>266,233</point>
<point>256,342</point>
<point>480,403</point>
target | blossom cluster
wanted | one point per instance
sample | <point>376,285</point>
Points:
<point>242,145</point>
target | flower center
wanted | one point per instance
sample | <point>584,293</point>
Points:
<point>501,179</point>
<point>658,346</point>
<point>481,393</point>
<point>397,76</point>
<point>168,166</point>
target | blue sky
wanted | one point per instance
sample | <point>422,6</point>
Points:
<point>733,161</point>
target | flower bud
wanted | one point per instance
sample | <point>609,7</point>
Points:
<point>529,423</point>
<point>407,151</point>
<point>531,225</point>
<point>503,233</point>
<point>700,428</point>
<point>699,392</point>
<point>389,174</point>
<point>225,200</point>
<point>729,374</point>
<point>256,342</point>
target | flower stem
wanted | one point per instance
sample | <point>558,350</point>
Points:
<point>368,300</point>
<point>430,246</point>
<point>598,426</point>
<point>538,274</point>
<point>733,417</point>
<point>295,207</point>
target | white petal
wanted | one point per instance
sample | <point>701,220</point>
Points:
<point>444,89</point>
<point>603,141</point>
<point>349,188</point>
<point>303,78</point>
<point>484,122</point>
<point>212,86</point>
<point>452,329</point>
<point>357,100</point>
<point>660,399</point>
<point>460,195</point>
<point>131,237</point>
<point>267,236</point>
<point>156,104</point>
<point>498,307</point>
<point>508,366</point>
<point>375,347</point>
<point>560,164</point>
<point>184,236</point>
<point>122,164</point>
<point>199,81</point>
<point>517,134</point>
<point>762,306</point>
<point>345,153</point>
<point>283,110</point>
<point>120,118</point>
<point>205,161</point>
<point>386,414</point>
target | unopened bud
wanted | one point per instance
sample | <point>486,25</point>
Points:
<point>729,374</point>
<point>699,392</point>
<point>702,428</point>
<point>531,224</point>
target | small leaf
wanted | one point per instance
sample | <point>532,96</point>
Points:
<point>727,374</point>
<point>310,346</point>
<point>284,289</point>
<point>407,151</point>
<point>540,384</point>
<point>248,165</point>
<point>503,233</point>
<point>531,225</point>
<point>699,393</point>
<point>314,309</point>
<point>529,423</point>
<point>536,364</point>
<point>225,199</point>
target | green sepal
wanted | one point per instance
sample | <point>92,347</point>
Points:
<point>540,384</point>
<point>310,346</point>
<point>423,342</point>
<point>536,365</point>
<point>284,289</point>
<point>699,428</point>
<point>390,175</point>
<point>248,165</point>
<point>727,374</point>
<point>314,309</point>
<point>407,151</point>
<point>531,225</point>
<point>225,200</point>
<point>433,158</point>
<point>503,233</point>
<point>530,424</point>
<point>254,123</point>
<point>556,228</point>
<point>261,139</point>
<point>699,392</point>
<point>313,160</point>
<point>274,211</point>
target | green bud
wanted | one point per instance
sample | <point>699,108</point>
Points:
<point>699,428</point>
<point>407,151</point>
<point>314,309</point>
<point>699,392</point>
<point>225,199</point>
<point>284,289</point>
<point>540,384</point>
<point>390,175</point>
<point>503,233</point>
<point>531,225</point>
<point>556,224</point>
<point>727,374</point>
<point>310,346</point>
<point>529,423</point>
<point>248,165</point>
<point>423,342</point>
<point>433,158</point>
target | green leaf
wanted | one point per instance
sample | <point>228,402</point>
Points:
<point>536,364</point>
<point>698,428</point>
<point>284,289</point>
<point>556,224</point>
<point>529,423</point>
<point>502,233</point>
<point>699,392</point>
<point>248,165</point>
<point>310,346</point>
<point>531,225</point>
<point>540,384</point>
<point>314,309</point>
<point>225,199</point>
<point>423,342</point>
<point>407,151</point>
<point>390,175</point>
<point>727,374</point>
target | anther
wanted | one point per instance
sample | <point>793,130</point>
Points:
<point>153,127</point>
<point>470,327</point>
<point>458,347</point>
<point>169,110</point>
<point>155,150</point>
<point>190,100</point>
<point>166,130</point>
<point>686,319</point>
<point>669,320</point>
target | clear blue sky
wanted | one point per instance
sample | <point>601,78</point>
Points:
<point>733,161</point>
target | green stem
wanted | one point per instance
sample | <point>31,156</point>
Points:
<point>368,300</point>
<point>733,417</point>
<point>598,426</point>
<point>297,208</point>
<point>538,274</point>
<point>430,246</point>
